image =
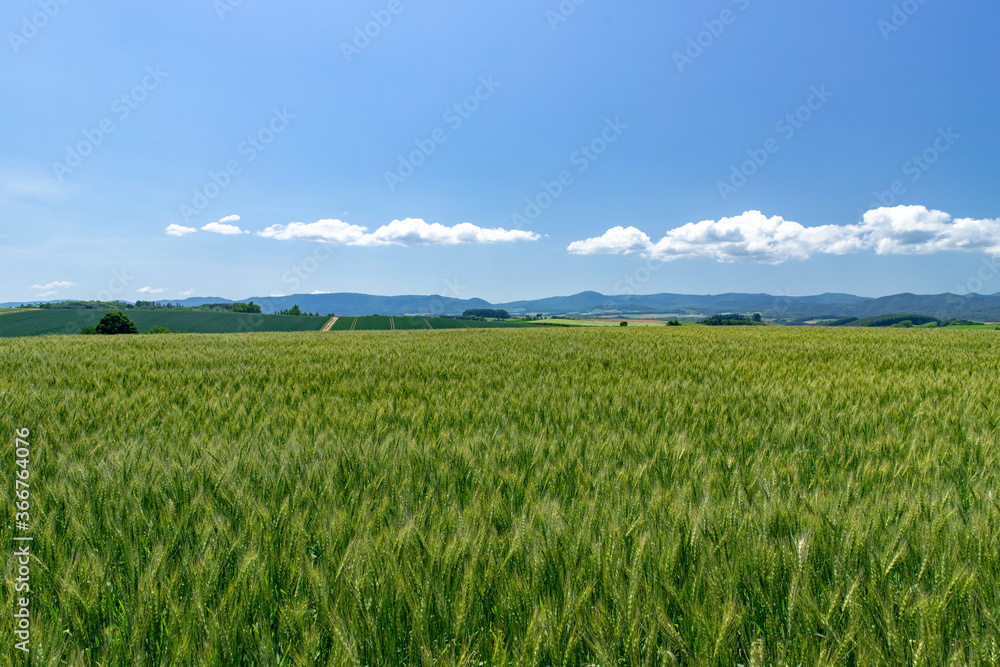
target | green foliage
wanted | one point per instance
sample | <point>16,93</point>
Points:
<point>623,324</point>
<point>246,307</point>
<point>530,497</point>
<point>381,323</point>
<point>891,320</point>
<point>84,305</point>
<point>89,331</point>
<point>491,313</point>
<point>40,322</point>
<point>673,323</point>
<point>157,330</point>
<point>294,311</point>
<point>729,320</point>
<point>116,323</point>
<point>148,305</point>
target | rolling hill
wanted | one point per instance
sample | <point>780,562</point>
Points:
<point>41,322</point>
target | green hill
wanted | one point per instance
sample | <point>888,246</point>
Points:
<point>385,323</point>
<point>41,322</point>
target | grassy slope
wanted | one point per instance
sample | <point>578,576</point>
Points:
<point>407,323</point>
<point>343,324</point>
<point>974,327</point>
<point>381,323</point>
<point>559,322</point>
<point>373,323</point>
<point>39,322</point>
<point>564,496</point>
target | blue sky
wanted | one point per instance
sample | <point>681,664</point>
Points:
<point>408,160</point>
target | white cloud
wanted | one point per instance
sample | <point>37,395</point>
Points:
<point>753,237</point>
<point>320,292</point>
<point>411,231</point>
<point>222,228</point>
<point>187,292</point>
<point>179,230</point>
<point>230,218</point>
<point>332,231</point>
<point>614,241</point>
<point>48,293</point>
<point>58,284</point>
<point>913,230</point>
<point>151,290</point>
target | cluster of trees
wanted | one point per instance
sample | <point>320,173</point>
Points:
<point>297,312</point>
<point>112,324</point>
<point>82,305</point>
<point>486,313</point>
<point>890,320</point>
<point>205,307</point>
<point>144,305</point>
<point>118,323</point>
<point>229,307</point>
<point>732,319</point>
<point>905,320</point>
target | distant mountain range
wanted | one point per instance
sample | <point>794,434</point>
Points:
<point>942,306</point>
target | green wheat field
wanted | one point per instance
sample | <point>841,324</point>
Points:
<point>634,496</point>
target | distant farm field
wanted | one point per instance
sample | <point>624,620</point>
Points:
<point>577,496</point>
<point>572,322</point>
<point>41,322</point>
<point>409,323</point>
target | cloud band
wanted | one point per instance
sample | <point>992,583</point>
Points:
<point>753,237</point>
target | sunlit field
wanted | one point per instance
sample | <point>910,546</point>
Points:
<point>575,496</point>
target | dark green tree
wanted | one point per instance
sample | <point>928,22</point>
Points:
<point>246,307</point>
<point>116,323</point>
<point>494,313</point>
